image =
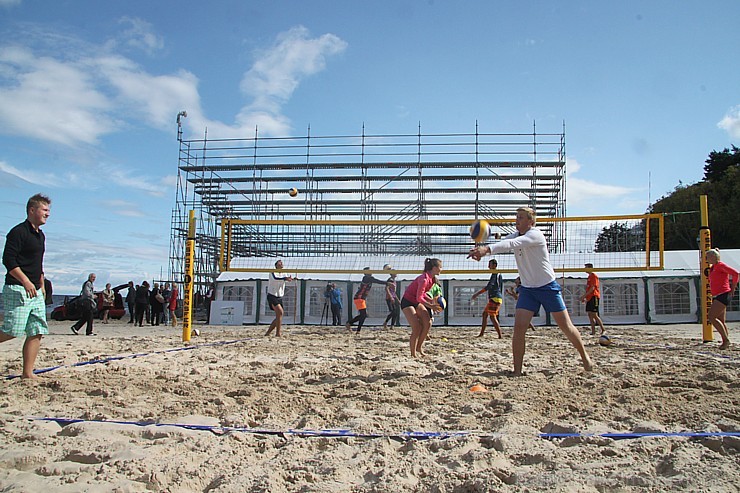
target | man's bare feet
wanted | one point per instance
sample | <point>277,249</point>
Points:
<point>725,345</point>
<point>588,365</point>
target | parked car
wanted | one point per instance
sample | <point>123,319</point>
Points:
<point>117,311</point>
<point>71,308</point>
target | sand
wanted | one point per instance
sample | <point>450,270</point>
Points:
<point>322,410</point>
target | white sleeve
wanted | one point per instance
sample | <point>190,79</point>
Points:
<point>515,240</point>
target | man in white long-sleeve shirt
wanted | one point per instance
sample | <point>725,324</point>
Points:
<point>538,288</point>
<point>275,291</point>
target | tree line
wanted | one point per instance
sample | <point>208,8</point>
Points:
<point>721,185</point>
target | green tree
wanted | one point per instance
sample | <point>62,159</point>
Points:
<point>721,185</point>
<point>719,162</point>
<point>619,237</point>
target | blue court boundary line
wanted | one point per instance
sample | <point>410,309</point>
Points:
<point>407,435</point>
<point>130,356</point>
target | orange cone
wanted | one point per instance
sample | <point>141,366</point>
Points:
<point>478,388</point>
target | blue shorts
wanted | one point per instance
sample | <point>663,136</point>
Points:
<point>547,296</point>
<point>23,315</point>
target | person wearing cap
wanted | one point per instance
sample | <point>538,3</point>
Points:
<point>391,299</point>
<point>591,298</point>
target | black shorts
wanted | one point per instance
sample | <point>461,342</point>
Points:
<point>273,301</point>
<point>592,305</point>
<point>723,298</point>
<point>406,303</point>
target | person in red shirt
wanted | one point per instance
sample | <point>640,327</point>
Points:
<point>723,280</point>
<point>172,304</point>
<point>591,298</point>
<point>417,306</point>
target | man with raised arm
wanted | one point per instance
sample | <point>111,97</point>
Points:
<point>539,287</point>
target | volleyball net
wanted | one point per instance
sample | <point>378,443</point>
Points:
<point>348,246</point>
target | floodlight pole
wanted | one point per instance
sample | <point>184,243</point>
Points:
<point>705,243</point>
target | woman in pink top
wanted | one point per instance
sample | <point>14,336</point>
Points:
<point>723,280</point>
<point>416,305</point>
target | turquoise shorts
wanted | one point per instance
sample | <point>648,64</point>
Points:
<point>23,315</point>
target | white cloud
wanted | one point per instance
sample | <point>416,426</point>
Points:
<point>33,177</point>
<point>124,180</point>
<point>51,100</point>
<point>589,195</point>
<point>141,35</point>
<point>124,208</point>
<point>731,122</point>
<point>571,165</point>
<point>87,92</point>
<point>69,258</point>
<point>279,69</point>
<point>153,98</point>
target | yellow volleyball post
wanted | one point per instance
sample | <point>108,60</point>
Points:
<point>187,302</point>
<point>705,243</point>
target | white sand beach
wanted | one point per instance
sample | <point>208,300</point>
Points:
<point>321,409</point>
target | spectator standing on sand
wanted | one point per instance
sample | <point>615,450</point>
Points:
<point>142,302</point>
<point>131,300</point>
<point>172,304</point>
<point>88,305</point>
<point>108,299</point>
<point>23,293</point>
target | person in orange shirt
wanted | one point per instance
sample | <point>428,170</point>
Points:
<point>591,297</point>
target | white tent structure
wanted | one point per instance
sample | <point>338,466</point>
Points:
<point>667,296</point>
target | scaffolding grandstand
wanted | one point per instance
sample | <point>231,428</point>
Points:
<point>367,178</point>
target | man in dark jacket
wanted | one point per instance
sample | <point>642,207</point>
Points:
<point>131,300</point>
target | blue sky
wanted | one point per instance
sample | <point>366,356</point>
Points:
<point>89,92</point>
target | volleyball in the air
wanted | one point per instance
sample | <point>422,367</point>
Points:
<point>293,192</point>
<point>605,340</point>
<point>442,302</point>
<point>480,230</point>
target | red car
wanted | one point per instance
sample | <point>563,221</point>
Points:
<point>71,309</point>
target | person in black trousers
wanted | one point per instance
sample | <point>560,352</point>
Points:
<point>131,300</point>
<point>88,306</point>
<point>142,302</point>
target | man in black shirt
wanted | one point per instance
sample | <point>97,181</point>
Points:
<point>23,294</point>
